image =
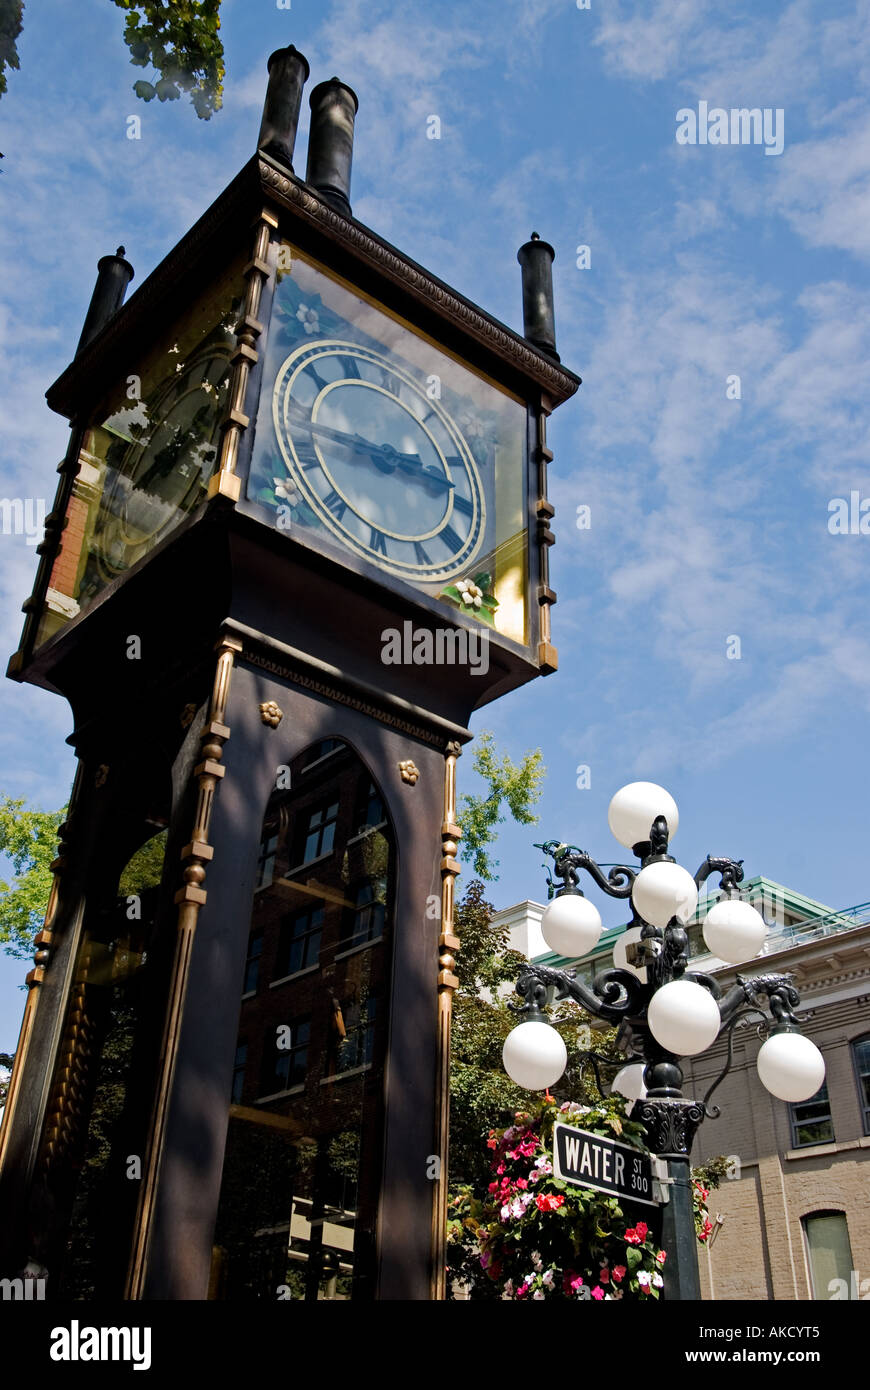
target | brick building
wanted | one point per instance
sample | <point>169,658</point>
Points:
<point>793,1221</point>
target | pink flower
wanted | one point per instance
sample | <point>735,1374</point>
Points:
<point>619,1272</point>
<point>522,1184</point>
<point>493,1187</point>
<point>500,1169</point>
<point>522,1291</point>
<point>598,1294</point>
<point>661,1257</point>
<point>604,1275</point>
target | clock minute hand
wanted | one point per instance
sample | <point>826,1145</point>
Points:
<point>409,463</point>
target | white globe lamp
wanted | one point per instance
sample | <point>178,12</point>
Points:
<point>534,1056</point>
<point>571,925</point>
<point>734,930</point>
<point>629,1081</point>
<point>684,1018</point>
<point>634,808</point>
<point>630,937</point>
<point>662,891</point>
<point>790,1066</point>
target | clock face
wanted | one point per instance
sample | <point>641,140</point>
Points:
<point>161,458</point>
<point>375,445</point>
<point>383,466</point>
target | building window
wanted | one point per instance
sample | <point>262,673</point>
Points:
<point>319,833</point>
<point>357,1047</point>
<point>286,1067</point>
<point>252,964</point>
<point>861,1058</point>
<point>322,750</point>
<point>299,943</point>
<point>239,1073</point>
<point>829,1252</point>
<point>365,921</point>
<point>266,861</point>
<point>370,808</point>
<point>811,1121</point>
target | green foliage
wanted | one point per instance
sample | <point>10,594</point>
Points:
<point>11,20</point>
<point>481,1093</point>
<point>145,869</point>
<point>518,786</point>
<point>29,838</point>
<point>181,41</point>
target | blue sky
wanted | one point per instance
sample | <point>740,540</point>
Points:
<point>709,516</point>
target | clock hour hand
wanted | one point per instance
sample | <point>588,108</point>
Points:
<point>409,463</point>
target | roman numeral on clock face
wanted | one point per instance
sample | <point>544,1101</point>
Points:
<point>449,537</point>
<point>378,541</point>
<point>336,504</point>
<point>462,505</point>
<point>420,553</point>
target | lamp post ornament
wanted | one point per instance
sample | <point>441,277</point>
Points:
<point>664,1011</point>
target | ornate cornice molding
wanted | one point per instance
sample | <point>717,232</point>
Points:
<point>556,380</point>
<point>342,695</point>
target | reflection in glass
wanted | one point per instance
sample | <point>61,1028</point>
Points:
<point>300,1184</point>
<point>148,453</point>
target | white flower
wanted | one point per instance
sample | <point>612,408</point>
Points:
<point>539,1293</point>
<point>508,1289</point>
<point>547,1278</point>
<point>285,491</point>
<point>643,1278</point>
<point>308,318</point>
<point>537,1262</point>
<point>505,1211</point>
<point>658,1281</point>
<point>471,596</point>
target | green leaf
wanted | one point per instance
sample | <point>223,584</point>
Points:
<point>144,90</point>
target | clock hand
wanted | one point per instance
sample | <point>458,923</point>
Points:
<point>409,463</point>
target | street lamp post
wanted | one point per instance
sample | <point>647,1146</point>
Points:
<point>663,1010</point>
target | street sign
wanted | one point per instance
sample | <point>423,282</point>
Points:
<point>590,1160</point>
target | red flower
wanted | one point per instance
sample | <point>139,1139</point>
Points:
<point>632,1237</point>
<point>661,1257</point>
<point>549,1201</point>
<point>493,1187</point>
<point>619,1272</point>
<point>500,1169</point>
<point>604,1275</point>
<point>708,1226</point>
<point>642,1229</point>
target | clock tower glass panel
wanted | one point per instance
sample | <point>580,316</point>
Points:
<point>376,444</point>
<point>148,452</point>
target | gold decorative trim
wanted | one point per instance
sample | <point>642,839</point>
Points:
<point>271,714</point>
<point>548,657</point>
<point>408,771</point>
<point>448,944</point>
<point>224,482</point>
<point>286,671</point>
<point>190,898</point>
<point>424,287</point>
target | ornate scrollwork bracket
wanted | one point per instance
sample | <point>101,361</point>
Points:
<point>568,860</point>
<point>670,1125</point>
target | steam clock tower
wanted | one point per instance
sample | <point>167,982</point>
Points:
<point>300,534</point>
